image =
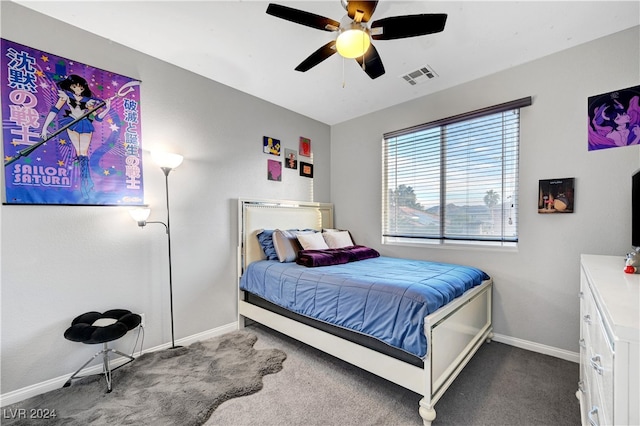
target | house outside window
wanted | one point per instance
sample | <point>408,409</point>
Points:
<point>454,180</point>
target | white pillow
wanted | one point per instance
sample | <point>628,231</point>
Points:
<point>338,239</point>
<point>312,241</point>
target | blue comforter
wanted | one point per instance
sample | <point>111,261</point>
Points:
<point>385,298</point>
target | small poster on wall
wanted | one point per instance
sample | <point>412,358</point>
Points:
<point>556,196</point>
<point>71,132</point>
<point>274,170</point>
<point>614,119</point>
<point>305,147</point>
<point>291,158</point>
<point>306,169</point>
<point>270,145</point>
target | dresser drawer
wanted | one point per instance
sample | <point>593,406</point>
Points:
<point>588,320</point>
<point>600,354</point>
<point>596,413</point>
<point>584,389</point>
<point>594,410</point>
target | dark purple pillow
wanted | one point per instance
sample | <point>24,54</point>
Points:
<point>327,257</point>
<point>360,253</point>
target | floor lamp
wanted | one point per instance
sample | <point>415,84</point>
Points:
<point>167,162</point>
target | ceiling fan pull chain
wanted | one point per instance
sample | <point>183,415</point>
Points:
<point>344,80</point>
<point>363,52</point>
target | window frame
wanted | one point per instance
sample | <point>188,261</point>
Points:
<point>443,240</point>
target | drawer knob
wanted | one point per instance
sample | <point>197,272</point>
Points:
<point>591,415</point>
<point>595,362</point>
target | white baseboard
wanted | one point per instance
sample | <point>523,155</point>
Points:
<point>57,382</point>
<point>537,347</point>
<point>186,341</point>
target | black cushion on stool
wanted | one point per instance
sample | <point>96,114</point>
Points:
<point>83,330</point>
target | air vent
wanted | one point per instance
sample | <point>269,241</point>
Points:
<point>420,75</point>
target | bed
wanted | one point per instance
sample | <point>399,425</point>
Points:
<point>425,361</point>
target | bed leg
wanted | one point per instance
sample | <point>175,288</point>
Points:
<point>489,337</point>
<point>427,412</point>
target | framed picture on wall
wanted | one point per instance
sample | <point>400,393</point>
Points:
<point>274,170</point>
<point>556,195</point>
<point>270,145</point>
<point>305,147</point>
<point>306,169</point>
<point>72,133</point>
<point>614,119</point>
<point>290,158</point>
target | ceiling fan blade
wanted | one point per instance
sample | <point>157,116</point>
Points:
<point>318,56</point>
<point>366,7</point>
<point>303,18</point>
<point>372,63</point>
<point>407,26</point>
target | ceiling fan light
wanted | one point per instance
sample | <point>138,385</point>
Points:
<point>353,43</point>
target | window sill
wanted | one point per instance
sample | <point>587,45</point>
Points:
<point>452,244</point>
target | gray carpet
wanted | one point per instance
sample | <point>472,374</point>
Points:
<point>501,385</point>
<point>171,387</point>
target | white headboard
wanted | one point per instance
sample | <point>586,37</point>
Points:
<point>254,215</point>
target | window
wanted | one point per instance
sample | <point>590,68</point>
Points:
<point>454,179</point>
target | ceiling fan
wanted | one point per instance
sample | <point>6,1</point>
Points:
<point>354,33</point>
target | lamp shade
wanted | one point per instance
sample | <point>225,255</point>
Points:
<point>140,214</point>
<point>167,159</point>
<point>352,43</point>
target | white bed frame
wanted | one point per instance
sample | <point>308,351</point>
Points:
<point>454,332</point>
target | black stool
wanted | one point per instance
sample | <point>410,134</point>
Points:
<point>94,327</point>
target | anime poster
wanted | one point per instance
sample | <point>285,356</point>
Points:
<point>614,119</point>
<point>71,132</point>
<point>556,195</point>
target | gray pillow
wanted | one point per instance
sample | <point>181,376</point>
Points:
<point>286,244</point>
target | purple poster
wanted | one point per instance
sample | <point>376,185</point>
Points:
<point>614,119</point>
<point>71,132</point>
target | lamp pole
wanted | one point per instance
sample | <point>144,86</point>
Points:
<point>166,171</point>
<point>167,162</point>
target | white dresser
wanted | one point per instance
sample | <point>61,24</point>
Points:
<point>609,387</point>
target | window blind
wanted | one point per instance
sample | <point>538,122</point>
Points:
<point>454,179</point>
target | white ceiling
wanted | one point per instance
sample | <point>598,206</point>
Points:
<point>236,43</point>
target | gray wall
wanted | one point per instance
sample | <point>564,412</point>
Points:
<point>536,287</point>
<point>59,261</point>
